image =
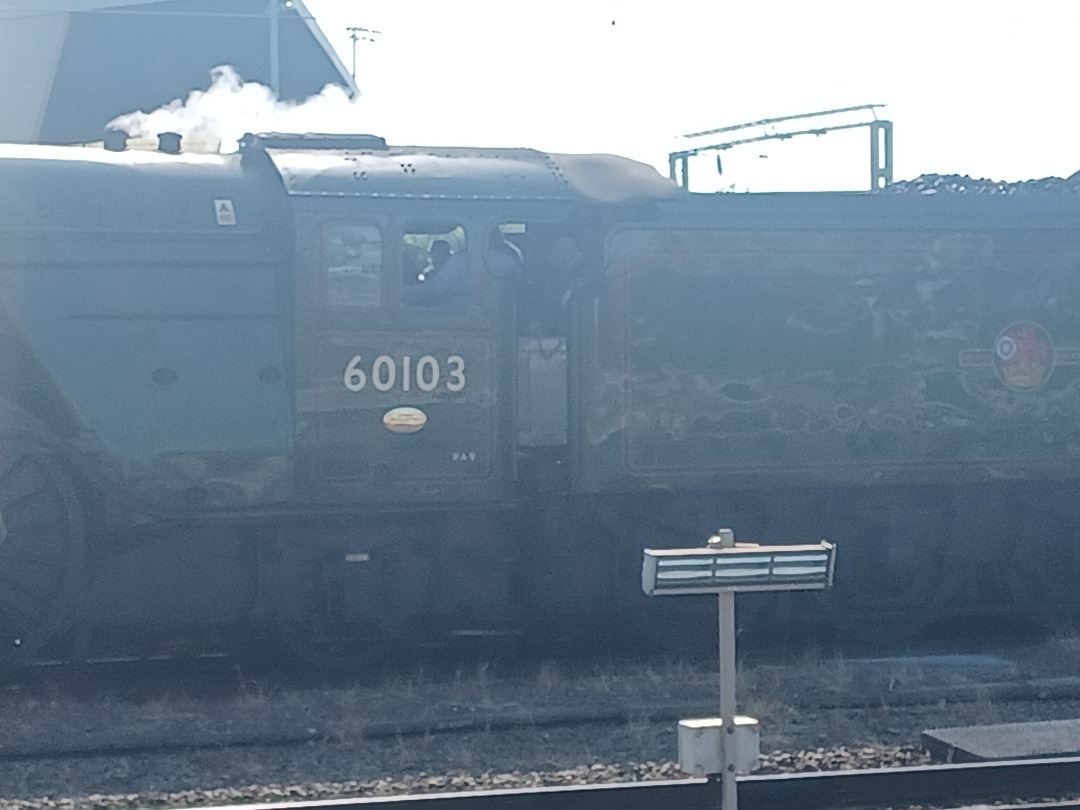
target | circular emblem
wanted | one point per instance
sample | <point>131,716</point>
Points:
<point>1005,348</point>
<point>404,420</point>
<point>1024,355</point>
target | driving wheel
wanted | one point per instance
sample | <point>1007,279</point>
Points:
<point>41,551</point>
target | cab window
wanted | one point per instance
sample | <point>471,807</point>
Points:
<point>435,265</point>
<point>352,265</point>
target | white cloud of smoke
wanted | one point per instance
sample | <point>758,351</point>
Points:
<point>219,116</point>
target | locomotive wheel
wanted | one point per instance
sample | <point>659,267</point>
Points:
<point>42,551</point>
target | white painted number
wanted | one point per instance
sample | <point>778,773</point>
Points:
<point>355,379</point>
<point>426,373</point>
<point>457,373</point>
<point>383,373</point>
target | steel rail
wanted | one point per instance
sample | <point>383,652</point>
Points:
<point>946,785</point>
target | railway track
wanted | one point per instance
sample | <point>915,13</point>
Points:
<point>936,785</point>
<point>169,748</point>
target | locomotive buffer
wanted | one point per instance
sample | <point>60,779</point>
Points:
<point>729,745</point>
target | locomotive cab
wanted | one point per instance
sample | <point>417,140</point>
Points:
<point>428,296</point>
<point>399,349</point>
<point>404,328</point>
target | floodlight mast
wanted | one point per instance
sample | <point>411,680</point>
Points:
<point>881,142</point>
<point>358,34</point>
<point>724,567</point>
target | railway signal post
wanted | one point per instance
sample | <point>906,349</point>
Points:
<point>725,567</point>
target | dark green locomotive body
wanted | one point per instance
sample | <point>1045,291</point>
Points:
<point>229,333</point>
<point>348,391</point>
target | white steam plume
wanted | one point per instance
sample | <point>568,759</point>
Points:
<point>232,107</point>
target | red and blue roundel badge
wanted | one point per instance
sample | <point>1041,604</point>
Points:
<point>1024,355</point>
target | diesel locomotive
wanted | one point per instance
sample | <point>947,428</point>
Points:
<point>334,392</point>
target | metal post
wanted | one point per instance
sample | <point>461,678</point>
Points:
<point>679,168</point>
<point>354,34</point>
<point>881,155</point>
<point>728,796</point>
<point>275,49</point>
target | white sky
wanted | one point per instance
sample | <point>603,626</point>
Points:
<point>980,88</point>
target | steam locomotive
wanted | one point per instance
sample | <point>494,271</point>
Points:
<point>339,393</point>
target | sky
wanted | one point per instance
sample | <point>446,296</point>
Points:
<point>980,88</point>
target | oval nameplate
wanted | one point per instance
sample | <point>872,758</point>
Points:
<point>404,420</point>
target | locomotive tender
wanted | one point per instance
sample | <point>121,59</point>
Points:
<point>244,393</point>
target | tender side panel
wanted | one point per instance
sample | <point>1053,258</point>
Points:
<point>751,357</point>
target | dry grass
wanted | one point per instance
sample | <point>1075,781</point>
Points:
<point>641,702</point>
<point>778,695</point>
<point>1059,655</point>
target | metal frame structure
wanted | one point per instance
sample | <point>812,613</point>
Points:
<point>881,142</point>
<point>723,568</point>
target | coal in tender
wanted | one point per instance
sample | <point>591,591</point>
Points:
<point>965,184</point>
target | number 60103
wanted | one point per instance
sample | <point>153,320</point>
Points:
<point>387,373</point>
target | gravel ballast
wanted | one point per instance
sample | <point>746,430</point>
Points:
<point>475,729</point>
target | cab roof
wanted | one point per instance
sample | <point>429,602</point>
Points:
<point>455,173</point>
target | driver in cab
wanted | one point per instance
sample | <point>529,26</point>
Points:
<point>441,277</point>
